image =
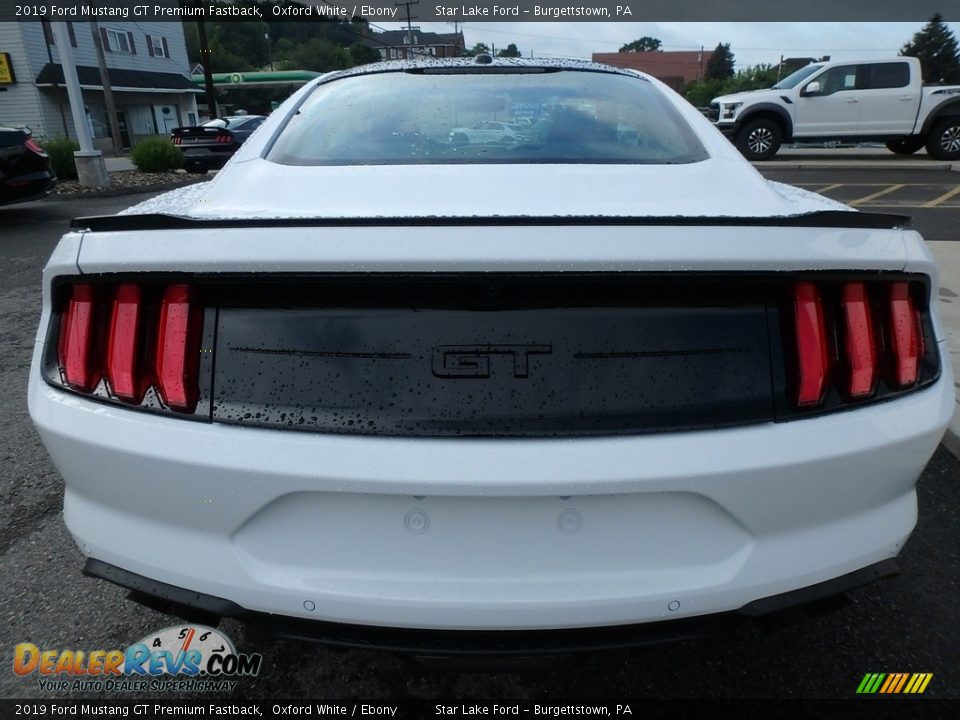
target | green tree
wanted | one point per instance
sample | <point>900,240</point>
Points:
<point>644,44</point>
<point>192,38</point>
<point>755,77</point>
<point>361,54</point>
<point>936,48</point>
<point>510,51</point>
<point>720,65</point>
<point>238,46</point>
<point>478,49</point>
<point>321,55</point>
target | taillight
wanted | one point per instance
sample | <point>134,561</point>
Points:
<point>176,139</point>
<point>224,139</point>
<point>124,369</point>
<point>812,352</point>
<point>177,359</point>
<point>859,343</point>
<point>855,341</point>
<point>77,348</point>
<point>34,147</point>
<point>134,342</point>
<point>906,336</point>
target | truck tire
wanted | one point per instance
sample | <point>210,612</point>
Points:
<point>943,142</point>
<point>759,139</point>
<point>906,146</point>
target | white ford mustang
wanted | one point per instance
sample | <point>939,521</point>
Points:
<point>369,385</point>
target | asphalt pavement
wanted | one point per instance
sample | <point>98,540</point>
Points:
<point>905,624</point>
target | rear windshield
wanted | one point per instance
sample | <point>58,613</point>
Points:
<point>405,118</point>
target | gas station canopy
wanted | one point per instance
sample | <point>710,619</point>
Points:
<point>259,79</point>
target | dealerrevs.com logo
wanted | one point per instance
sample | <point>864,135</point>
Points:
<point>183,658</point>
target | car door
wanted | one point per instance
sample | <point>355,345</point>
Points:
<point>888,103</point>
<point>833,110</point>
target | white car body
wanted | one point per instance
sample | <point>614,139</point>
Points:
<point>487,533</point>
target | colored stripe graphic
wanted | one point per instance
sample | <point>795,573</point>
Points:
<point>894,683</point>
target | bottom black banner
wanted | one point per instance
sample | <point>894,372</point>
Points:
<point>416,708</point>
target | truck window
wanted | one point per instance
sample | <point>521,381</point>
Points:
<point>842,77</point>
<point>887,75</point>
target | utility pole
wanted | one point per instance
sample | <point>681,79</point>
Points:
<point>207,75</point>
<point>107,89</point>
<point>266,36</point>
<point>91,169</point>
<point>408,3</point>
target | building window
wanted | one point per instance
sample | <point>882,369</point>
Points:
<point>157,46</point>
<point>51,40</point>
<point>118,41</point>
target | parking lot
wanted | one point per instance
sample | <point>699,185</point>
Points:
<point>906,624</point>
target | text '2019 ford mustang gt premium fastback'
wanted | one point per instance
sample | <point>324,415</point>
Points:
<point>594,384</point>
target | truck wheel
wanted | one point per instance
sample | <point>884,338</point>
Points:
<point>905,146</point>
<point>943,142</point>
<point>760,139</point>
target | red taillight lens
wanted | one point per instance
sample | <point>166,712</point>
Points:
<point>176,139</point>
<point>34,147</point>
<point>77,346</point>
<point>224,139</point>
<point>124,368</point>
<point>859,340</point>
<point>811,336</point>
<point>177,360</point>
<point>906,337</point>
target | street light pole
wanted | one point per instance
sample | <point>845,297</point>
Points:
<point>91,169</point>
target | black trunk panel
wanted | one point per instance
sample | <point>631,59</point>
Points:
<point>512,357</point>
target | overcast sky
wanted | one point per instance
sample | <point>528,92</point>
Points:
<point>751,43</point>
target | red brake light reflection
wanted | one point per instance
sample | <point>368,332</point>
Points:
<point>77,346</point>
<point>811,337</point>
<point>177,360</point>
<point>859,340</point>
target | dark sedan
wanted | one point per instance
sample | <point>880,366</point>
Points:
<point>25,172</point>
<point>209,146</point>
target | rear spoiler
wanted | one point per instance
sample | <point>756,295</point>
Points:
<point>822,219</point>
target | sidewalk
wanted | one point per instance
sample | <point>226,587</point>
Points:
<point>793,158</point>
<point>115,164</point>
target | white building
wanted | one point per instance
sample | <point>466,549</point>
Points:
<point>149,73</point>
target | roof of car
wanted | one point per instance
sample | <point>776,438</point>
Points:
<point>479,63</point>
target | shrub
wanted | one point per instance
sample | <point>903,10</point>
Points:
<point>156,154</point>
<point>61,149</point>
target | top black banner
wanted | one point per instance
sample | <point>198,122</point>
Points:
<point>485,10</point>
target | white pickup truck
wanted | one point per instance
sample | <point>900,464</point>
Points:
<point>849,101</point>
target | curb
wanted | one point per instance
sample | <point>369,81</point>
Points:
<point>855,164</point>
<point>139,189</point>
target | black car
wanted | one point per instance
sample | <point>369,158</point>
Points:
<point>25,172</point>
<point>210,145</point>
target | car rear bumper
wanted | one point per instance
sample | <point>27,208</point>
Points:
<point>21,188</point>
<point>210,158</point>
<point>197,607</point>
<point>485,533</point>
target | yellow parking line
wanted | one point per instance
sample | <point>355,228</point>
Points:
<point>943,198</point>
<point>828,188</point>
<point>874,196</point>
